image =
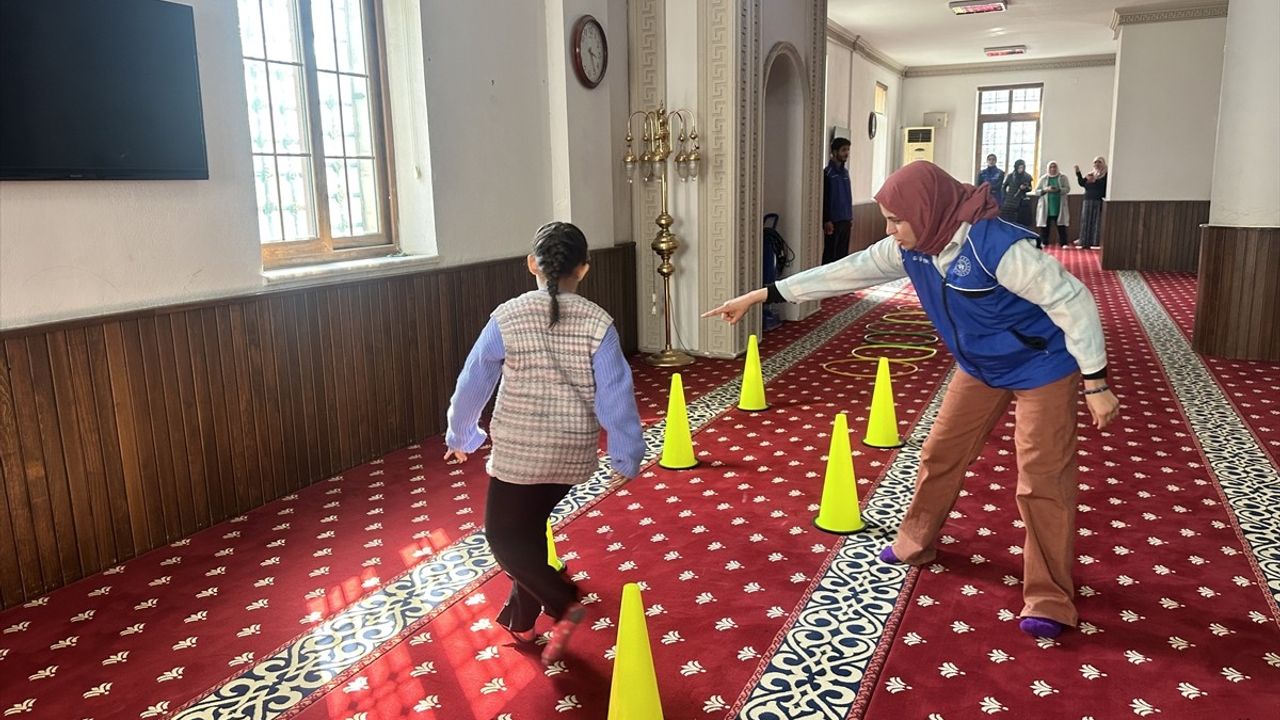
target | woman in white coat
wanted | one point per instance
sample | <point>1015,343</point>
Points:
<point>1052,210</point>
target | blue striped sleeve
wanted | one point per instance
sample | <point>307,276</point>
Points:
<point>616,406</point>
<point>479,377</point>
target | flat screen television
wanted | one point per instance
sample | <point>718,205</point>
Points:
<point>99,90</point>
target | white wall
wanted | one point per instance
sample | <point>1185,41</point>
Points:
<point>74,249</point>
<point>1248,147</point>
<point>1168,77</point>
<point>1075,119</point>
<point>851,86</point>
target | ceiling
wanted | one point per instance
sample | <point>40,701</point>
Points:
<point>925,32</point>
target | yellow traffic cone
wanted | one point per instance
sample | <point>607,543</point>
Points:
<point>677,444</point>
<point>634,692</point>
<point>752,396</point>
<point>553,559</point>
<point>882,426</point>
<point>839,512</point>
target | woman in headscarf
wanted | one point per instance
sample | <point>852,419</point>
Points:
<point>1016,186</point>
<point>1020,328</point>
<point>1053,209</point>
<point>1095,188</point>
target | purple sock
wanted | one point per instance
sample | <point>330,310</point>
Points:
<point>1041,627</point>
<point>887,556</point>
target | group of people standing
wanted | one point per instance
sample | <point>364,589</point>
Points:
<point>1012,193</point>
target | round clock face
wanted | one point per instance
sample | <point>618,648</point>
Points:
<point>591,51</point>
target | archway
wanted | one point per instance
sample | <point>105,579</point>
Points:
<point>782,165</point>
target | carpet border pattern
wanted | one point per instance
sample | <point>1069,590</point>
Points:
<point>819,667</point>
<point>1247,478</point>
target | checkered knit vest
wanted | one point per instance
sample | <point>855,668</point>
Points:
<point>544,426</point>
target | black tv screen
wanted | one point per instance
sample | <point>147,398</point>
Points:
<point>99,90</point>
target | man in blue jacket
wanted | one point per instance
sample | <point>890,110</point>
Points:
<point>993,176</point>
<point>837,203</point>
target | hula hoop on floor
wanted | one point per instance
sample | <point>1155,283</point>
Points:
<point>910,317</point>
<point>929,338</point>
<point>928,352</point>
<point>887,325</point>
<point>870,375</point>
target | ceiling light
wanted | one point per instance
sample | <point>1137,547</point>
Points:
<point>1005,50</point>
<point>973,7</point>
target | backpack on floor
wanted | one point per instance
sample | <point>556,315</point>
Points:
<point>777,254</point>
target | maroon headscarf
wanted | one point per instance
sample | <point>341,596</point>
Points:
<point>934,203</point>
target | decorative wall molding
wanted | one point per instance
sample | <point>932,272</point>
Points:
<point>863,48</point>
<point>1060,63</point>
<point>648,70</point>
<point>728,93</point>
<point>815,139</point>
<point>1167,12</point>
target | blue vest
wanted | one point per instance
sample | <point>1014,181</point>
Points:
<point>995,178</point>
<point>997,337</point>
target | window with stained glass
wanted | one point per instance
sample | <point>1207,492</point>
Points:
<point>1009,126</point>
<point>316,124</point>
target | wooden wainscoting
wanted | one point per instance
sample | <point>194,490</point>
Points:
<point>124,433</point>
<point>1238,304</point>
<point>868,226</point>
<point>1152,234</point>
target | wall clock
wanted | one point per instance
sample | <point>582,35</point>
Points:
<point>590,51</point>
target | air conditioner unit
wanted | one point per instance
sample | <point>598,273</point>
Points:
<point>917,144</point>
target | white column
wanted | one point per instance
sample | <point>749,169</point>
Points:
<point>1245,191</point>
<point>1162,128</point>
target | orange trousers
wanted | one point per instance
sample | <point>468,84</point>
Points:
<point>1045,438</point>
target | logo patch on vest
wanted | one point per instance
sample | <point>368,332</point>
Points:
<point>963,266</point>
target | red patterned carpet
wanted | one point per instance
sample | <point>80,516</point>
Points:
<point>725,553</point>
<point>1176,620</point>
<point>1253,386</point>
<point>371,595</point>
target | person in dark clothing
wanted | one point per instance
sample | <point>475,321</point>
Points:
<point>1016,186</point>
<point>993,176</point>
<point>837,203</point>
<point>1095,189</point>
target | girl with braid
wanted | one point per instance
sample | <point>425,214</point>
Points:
<point>563,376</point>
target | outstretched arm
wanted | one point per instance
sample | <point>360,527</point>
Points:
<point>479,377</point>
<point>877,264</point>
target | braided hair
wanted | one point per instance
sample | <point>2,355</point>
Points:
<point>559,248</point>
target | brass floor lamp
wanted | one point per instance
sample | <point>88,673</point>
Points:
<point>650,165</point>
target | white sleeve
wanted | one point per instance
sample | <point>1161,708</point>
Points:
<point>1037,277</point>
<point>878,264</point>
